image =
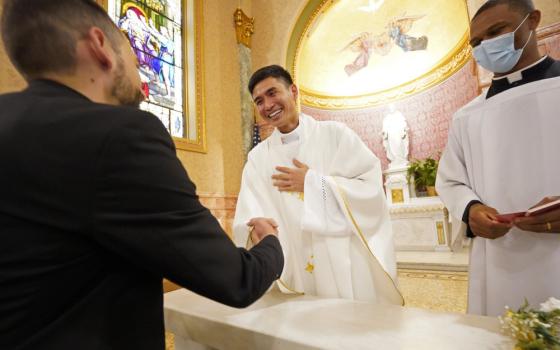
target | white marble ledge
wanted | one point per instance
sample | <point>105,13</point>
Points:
<point>280,321</point>
<point>418,205</point>
<point>439,261</point>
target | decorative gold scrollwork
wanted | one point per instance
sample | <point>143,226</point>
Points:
<point>244,27</point>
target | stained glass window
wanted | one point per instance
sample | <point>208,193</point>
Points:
<point>153,28</point>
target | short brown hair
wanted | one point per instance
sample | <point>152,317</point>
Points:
<point>41,35</point>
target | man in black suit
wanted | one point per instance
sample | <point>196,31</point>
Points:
<point>95,207</point>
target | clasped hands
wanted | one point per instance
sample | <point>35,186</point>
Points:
<point>259,228</point>
<point>483,222</point>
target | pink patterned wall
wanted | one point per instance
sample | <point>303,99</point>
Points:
<point>549,40</point>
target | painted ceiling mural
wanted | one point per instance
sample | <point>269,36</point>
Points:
<point>367,52</point>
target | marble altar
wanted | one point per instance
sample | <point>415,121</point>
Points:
<point>279,321</point>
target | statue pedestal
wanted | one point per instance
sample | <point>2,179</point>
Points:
<point>419,223</point>
<point>396,186</point>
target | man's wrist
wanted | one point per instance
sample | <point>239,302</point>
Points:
<point>465,217</point>
<point>268,235</point>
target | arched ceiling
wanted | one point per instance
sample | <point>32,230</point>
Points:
<point>353,54</point>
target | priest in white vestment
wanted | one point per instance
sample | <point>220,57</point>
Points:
<point>323,188</point>
<point>502,157</point>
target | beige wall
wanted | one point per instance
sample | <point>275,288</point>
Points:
<point>218,171</point>
<point>274,22</point>
<point>550,11</point>
<point>10,80</point>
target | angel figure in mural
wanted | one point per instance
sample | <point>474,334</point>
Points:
<point>396,31</point>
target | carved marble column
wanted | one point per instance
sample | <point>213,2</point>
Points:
<point>244,29</point>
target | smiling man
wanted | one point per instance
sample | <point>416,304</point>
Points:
<point>323,187</point>
<point>502,156</point>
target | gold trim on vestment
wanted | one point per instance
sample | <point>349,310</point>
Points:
<point>362,237</point>
<point>288,288</point>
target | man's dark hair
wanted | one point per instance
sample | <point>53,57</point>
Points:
<point>274,71</point>
<point>41,35</point>
<point>521,6</point>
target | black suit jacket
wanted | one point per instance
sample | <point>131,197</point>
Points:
<point>95,208</point>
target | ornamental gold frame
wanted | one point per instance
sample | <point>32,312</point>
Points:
<point>460,55</point>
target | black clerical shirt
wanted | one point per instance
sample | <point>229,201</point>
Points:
<point>545,69</point>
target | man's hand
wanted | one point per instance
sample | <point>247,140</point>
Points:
<point>548,222</point>
<point>291,179</point>
<point>483,222</point>
<point>262,227</point>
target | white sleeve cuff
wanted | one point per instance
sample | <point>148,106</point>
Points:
<point>322,214</point>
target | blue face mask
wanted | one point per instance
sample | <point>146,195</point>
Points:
<point>498,54</point>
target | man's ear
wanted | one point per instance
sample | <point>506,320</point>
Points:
<point>100,48</point>
<point>534,19</point>
<point>295,91</point>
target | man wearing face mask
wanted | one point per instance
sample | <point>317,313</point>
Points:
<point>501,158</point>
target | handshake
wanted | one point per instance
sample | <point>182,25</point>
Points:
<point>259,228</point>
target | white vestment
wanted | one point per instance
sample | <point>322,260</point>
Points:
<point>504,152</point>
<point>337,238</point>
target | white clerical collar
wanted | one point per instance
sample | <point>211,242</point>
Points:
<point>292,136</point>
<point>517,75</point>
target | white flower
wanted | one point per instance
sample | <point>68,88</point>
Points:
<point>550,305</point>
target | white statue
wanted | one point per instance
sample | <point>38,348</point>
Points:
<point>395,138</point>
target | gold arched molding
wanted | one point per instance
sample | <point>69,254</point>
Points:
<point>460,55</point>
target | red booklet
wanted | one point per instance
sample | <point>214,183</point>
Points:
<point>507,218</point>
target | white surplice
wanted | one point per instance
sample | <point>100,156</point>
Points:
<point>504,152</point>
<point>337,237</point>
